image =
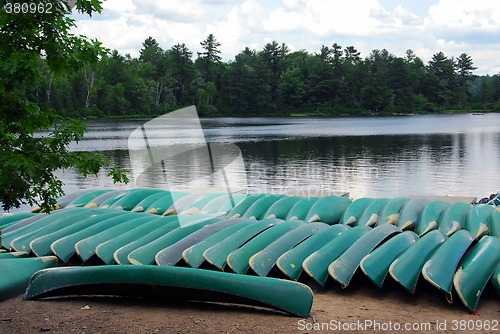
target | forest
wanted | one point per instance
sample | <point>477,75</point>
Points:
<point>334,81</point>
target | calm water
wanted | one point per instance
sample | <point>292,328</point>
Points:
<point>457,155</point>
<point>379,157</point>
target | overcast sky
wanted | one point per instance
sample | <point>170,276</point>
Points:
<point>425,26</point>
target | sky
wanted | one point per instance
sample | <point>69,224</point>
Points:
<point>425,26</point>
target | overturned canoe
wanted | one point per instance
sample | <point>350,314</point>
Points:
<point>281,207</point>
<point>260,206</point>
<point>371,214</point>
<point>328,210</point>
<point>453,218</point>
<point>442,265</point>
<point>495,280</point>
<point>290,263</point>
<point>243,206</point>
<point>10,219</point>
<point>13,255</point>
<point>410,212</point>
<point>389,214</point>
<point>179,203</point>
<point>344,267</point>
<point>99,200</point>
<point>475,270</point>
<point>150,200</point>
<point>222,204</point>
<point>129,201</point>
<point>495,223</point>
<point>355,210</point>
<point>376,264</point>
<point>84,199</point>
<point>477,220</point>
<point>173,283</point>
<point>429,217</point>
<point>301,208</point>
<point>196,206</point>
<point>163,203</point>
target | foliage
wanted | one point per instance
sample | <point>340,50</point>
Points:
<point>37,51</point>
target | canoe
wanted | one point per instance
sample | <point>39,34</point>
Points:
<point>475,270</point>
<point>260,206</point>
<point>64,200</point>
<point>84,199</point>
<point>328,210</point>
<point>262,262</point>
<point>29,220</point>
<point>301,208</point>
<point>50,223</point>
<point>477,220</point>
<point>217,254</point>
<point>13,255</point>
<point>163,203</point>
<point>376,264</point>
<point>99,200</point>
<point>243,206</point>
<point>495,223</point>
<point>149,200</point>
<point>19,272</point>
<point>223,204</point>
<point>110,200</point>
<point>86,248</point>
<point>172,283</point>
<point>9,219</point>
<point>495,280</point>
<point>146,254</point>
<point>442,265</point>
<point>281,207</point>
<point>238,260</point>
<point>179,203</point>
<point>136,237</point>
<point>389,214</point>
<point>429,217</point>
<point>56,231</point>
<point>344,267</point>
<point>290,263</point>
<point>371,214</point>
<point>410,212</point>
<point>232,203</point>
<point>193,256</point>
<point>316,265</point>
<point>453,218</point>
<point>196,206</point>
<point>40,243</point>
<point>172,255</point>
<point>406,269</point>
<point>355,210</point>
<point>129,201</point>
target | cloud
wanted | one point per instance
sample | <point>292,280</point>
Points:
<point>172,10</point>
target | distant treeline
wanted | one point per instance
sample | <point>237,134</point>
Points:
<point>273,81</point>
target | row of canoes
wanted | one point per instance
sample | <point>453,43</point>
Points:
<point>258,240</point>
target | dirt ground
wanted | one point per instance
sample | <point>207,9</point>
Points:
<point>358,309</point>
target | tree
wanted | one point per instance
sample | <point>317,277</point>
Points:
<point>28,160</point>
<point>209,58</point>
<point>464,66</point>
<point>441,77</point>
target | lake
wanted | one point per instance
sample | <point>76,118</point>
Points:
<point>455,155</point>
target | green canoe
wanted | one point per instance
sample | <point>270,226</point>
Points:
<point>475,270</point>
<point>477,220</point>
<point>281,208</point>
<point>406,269</point>
<point>11,227</point>
<point>218,253</point>
<point>290,263</point>
<point>495,280</point>
<point>328,210</point>
<point>376,264</point>
<point>41,242</point>
<point>344,267</point>
<point>146,254</point>
<point>238,260</point>
<point>135,238</point>
<point>19,272</point>
<point>243,206</point>
<point>86,248</point>
<point>13,255</point>
<point>196,206</point>
<point>149,200</point>
<point>453,218</point>
<point>172,283</point>
<point>495,223</point>
<point>260,206</point>
<point>64,200</point>
<point>355,210</point>
<point>442,265</point>
<point>180,203</point>
<point>110,200</point>
<point>172,254</point>
<point>84,199</point>
<point>301,208</point>
<point>389,214</point>
<point>429,217</point>
<point>410,212</point>
<point>99,200</point>
<point>193,256</point>
<point>164,202</point>
<point>231,204</point>
<point>223,204</point>
<point>371,214</point>
<point>316,265</point>
<point>262,262</point>
<point>129,201</point>
<point>8,220</point>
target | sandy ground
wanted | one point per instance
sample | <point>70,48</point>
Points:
<point>358,309</point>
